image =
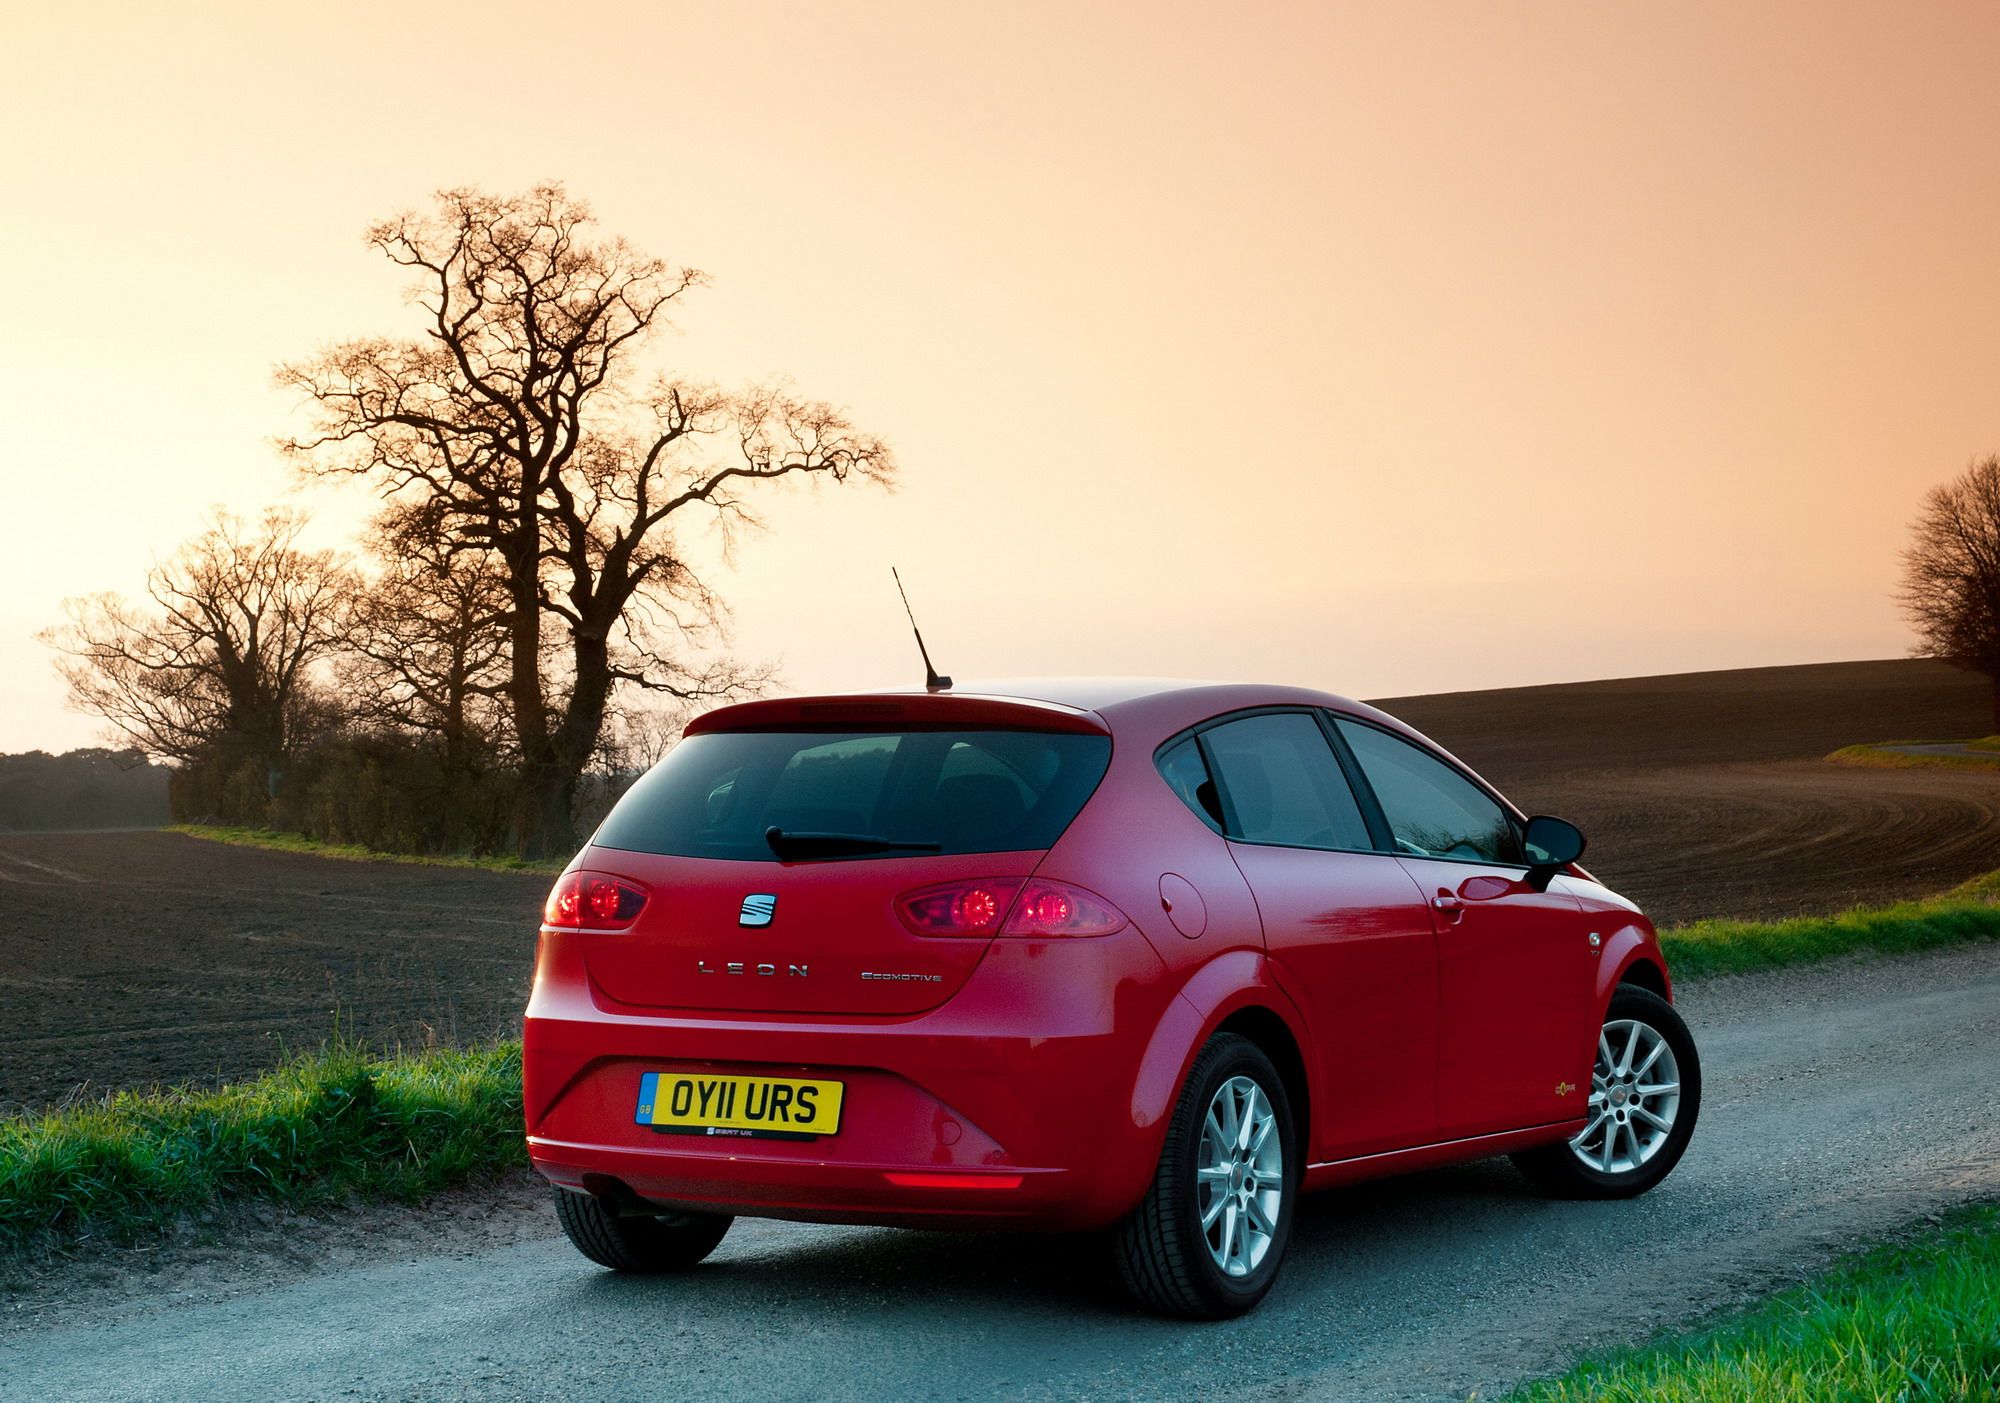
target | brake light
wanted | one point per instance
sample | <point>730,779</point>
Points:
<point>593,901</point>
<point>1056,908</point>
<point>953,1181</point>
<point>987,906</point>
<point>959,908</point>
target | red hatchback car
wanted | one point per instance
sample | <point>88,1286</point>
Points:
<point>1148,957</point>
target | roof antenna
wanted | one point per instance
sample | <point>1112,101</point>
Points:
<point>932,682</point>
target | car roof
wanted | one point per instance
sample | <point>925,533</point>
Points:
<point>1108,695</point>
<point>1143,704</point>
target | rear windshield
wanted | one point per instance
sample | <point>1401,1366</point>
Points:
<point>716,794</point>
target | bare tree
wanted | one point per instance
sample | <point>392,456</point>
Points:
<point>1951,574</point>
<point>638,735</point>
<point>429,642</point>
<point>425,676</point>
<point>219,661</point>
<point>521,420</point>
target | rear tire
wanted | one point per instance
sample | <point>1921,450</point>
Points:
<point>666,1243</point>
<point>1170,1262</point>
<point>1622,1150</point>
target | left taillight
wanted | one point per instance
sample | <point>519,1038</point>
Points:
<point>1057,908</point>
<point>593,901</point>
<point>988,906</point>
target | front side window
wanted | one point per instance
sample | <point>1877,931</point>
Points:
<point>1281,784</point>
<point>1433,810</point>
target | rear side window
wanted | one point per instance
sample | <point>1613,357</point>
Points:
<point>1186,773</point>
<point>964,791</point>
<point>1281,784</point>
<point>1433,810</point>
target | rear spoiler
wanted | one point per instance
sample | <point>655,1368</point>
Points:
<point>938,711</point>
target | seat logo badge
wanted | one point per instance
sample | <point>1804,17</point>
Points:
<point>1564,1088</point>
<point>758,909</point>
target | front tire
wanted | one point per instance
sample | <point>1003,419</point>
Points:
<point>666,1243</point>
<point>1645,1091</point>
<point>1206,1241</point>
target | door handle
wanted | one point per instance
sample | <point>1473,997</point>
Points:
<point>1448,906</point>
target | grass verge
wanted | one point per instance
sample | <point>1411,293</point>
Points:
<point>276,841</point>
<point>1966,913</point>
<point>1876,756</point>
<point>1917,1320</point>
<point>323,1128</point>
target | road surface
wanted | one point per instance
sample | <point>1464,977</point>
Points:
<point>1841,1103</point>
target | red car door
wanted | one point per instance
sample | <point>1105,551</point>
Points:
<point>1348,932</point>
<point>1516,969</point>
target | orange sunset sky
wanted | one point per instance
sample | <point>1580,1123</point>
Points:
<point>1380,347</point>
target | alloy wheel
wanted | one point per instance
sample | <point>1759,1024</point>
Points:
<point>1635,1095</point>
<point>1240,1175</point>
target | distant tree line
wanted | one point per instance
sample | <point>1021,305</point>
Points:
<point>81,789</point>
<point>524,620</point>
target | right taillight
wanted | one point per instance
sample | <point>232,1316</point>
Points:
<point>988,906</point>
<point>593,901</point>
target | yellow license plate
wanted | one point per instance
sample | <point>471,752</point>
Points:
<point>779,1108</point>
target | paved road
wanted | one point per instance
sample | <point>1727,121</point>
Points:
<point>1841,1102</point>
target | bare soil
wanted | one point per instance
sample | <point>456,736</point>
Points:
<point>140,958</point>
<point>1708,794</point>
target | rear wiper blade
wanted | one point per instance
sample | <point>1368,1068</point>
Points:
<point>838,844</point>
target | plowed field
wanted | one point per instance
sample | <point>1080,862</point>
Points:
<point>133,958</point>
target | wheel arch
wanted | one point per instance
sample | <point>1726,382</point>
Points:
<point>1232,992</point>
<point>1646,974</point>
<point>1631,955</point>
<point>1265,1027</point>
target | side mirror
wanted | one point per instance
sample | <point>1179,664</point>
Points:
<point>1552,844</point>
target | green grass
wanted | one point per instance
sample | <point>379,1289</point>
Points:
<point>1916,1321</point>
<point>1874,756</point>
<point>1966,913</point>
<point>276,841</point>
<point>323,1128</point>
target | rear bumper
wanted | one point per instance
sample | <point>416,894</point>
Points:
<point>812,1190</point>
<point>1013,1103</point>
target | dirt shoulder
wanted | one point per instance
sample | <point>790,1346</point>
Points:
<point>253,1247</point>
